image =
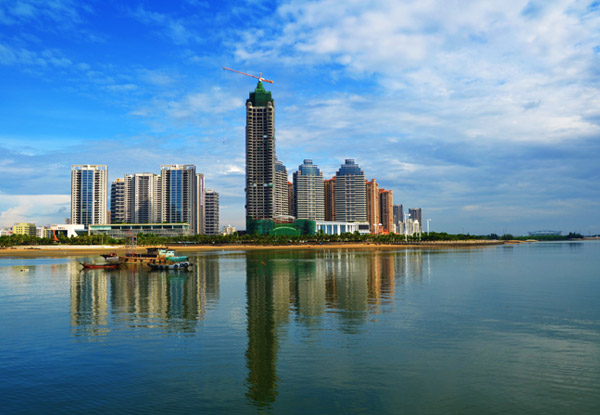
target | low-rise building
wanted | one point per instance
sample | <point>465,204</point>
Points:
<point>123,230</point>
<point>338,228</point>
<point>24,229</point>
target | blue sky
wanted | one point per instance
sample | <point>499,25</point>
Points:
<point>484,114</point>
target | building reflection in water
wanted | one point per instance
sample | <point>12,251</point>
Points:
<point>307,288</point>
<point>139,298</point>
<point>306,285</point>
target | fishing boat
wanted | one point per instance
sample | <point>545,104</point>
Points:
<point>177,266</point>
<point>100,266</point>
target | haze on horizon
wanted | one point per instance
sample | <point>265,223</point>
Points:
<point>486,115</point>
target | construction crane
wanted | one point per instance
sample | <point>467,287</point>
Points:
<point>260,78</point>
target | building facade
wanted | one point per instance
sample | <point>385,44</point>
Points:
<point>211,212</point>
<point>89,186</point>
<point>373,206</point>
<point>118,203</point>
<point>350,193</point>
<point>260,154</point>
<point>282,207</point>
<point>386,210</point>
<point>309,192</point>
<point>178,194</point>
<point>398,211</point>
<point>416,215</point>
<point>25,229</point>
<point>329,194</point>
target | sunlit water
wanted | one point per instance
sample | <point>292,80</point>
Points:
<point>497,330</point>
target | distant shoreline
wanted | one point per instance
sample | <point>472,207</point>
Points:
<point>73,250</point>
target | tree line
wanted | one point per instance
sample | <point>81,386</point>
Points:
<point>319,238</point>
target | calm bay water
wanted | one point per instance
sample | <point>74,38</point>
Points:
<point>508,329</point>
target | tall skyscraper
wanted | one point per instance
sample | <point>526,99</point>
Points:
<point>398,214</point>
<point>350,193</point>
<point>260,154</point>
<point>329,190</point>
<point>178,194</point>
<point>211,215</point>
<point>281,190</point>
<point>386,214</point>
<point>89,192</point>
<point>117,201</point>
<point>373,206</point>
<point>416,214</point>
<point>309,192</point>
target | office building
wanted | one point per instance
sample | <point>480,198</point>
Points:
<point>373,206</point>
<point>281,191</point>
<point>89,185</point>
<point>350,193</point>
<point>211,212</point>
<point>329,191</point>
<point>260,154</point>
<point>178,194</point>
<point>386,213</point>
<point>309,192</point>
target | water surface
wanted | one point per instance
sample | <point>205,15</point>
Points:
<point>473,331</point>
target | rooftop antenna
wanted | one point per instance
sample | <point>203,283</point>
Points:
<point>260,78</point>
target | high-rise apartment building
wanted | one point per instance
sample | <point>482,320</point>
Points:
<point>329,190</point>
<point>211,212</point>
<point>140,196</point>
<point>260,154</point>
<point>117,201</point>
<point>282,206</point>
<point>309,192</point>
<point>89,186</point>
<point>386,213</point>
<point>178,194</point>
<point>373,206</point>
<point>350,193</point>
<point>201,205</point>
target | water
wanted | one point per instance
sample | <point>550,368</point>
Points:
<point>508,329</point>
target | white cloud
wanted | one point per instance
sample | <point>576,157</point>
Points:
<point>38,209</point>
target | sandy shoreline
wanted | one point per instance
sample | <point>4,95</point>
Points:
<point>72,250</point>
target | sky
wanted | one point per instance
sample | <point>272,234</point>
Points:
<point>485,114</point>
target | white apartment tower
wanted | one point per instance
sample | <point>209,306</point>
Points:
<point>179,194</point>
<point>89,193</point>
<point>309,192</point>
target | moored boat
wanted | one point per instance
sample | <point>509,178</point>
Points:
<point>100,266</point>
<point>178,266</point>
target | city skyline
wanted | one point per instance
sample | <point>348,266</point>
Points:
<point>486,117</point>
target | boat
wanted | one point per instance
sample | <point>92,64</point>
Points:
<point>152,255</point>
<point>178,266</point>
<point>100,266</point>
